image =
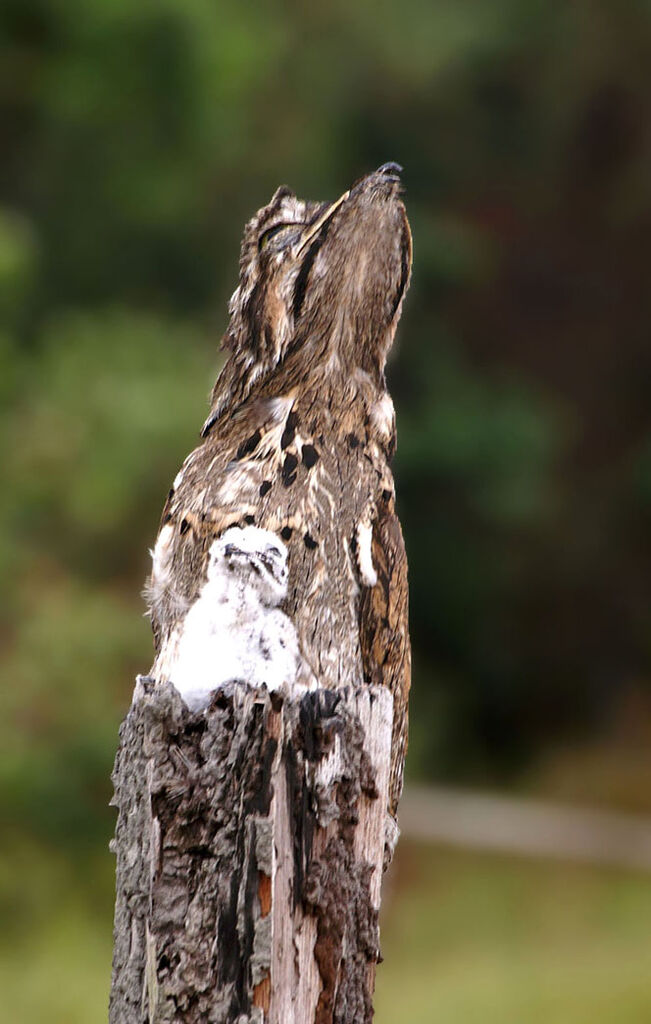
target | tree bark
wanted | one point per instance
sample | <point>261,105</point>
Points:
<point>250,843</point>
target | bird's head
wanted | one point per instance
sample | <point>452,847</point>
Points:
<point>255,556</point>
<point>327,278</point>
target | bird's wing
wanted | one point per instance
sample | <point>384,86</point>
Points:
<point>384,633</point>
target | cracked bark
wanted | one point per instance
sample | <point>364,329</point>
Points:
<point>249,843</point>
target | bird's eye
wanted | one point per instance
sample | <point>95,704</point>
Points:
<point>281,234</point>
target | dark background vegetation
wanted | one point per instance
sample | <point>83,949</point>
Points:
<point>135,140</point>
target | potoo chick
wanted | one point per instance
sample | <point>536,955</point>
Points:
<point>298,445</point>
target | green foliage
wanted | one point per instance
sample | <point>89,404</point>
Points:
<point>102,411</point>
<point>18,260</point>
<point>112,399</point>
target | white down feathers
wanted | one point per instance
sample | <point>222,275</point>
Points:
<point>235,629</point>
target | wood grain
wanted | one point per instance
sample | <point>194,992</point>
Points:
<point>249,844</point>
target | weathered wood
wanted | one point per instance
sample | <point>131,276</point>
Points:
<point>249,843</point>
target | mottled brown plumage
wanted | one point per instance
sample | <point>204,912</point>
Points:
<point>300,436</point>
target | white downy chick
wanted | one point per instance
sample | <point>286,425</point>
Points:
<point>235,629</point>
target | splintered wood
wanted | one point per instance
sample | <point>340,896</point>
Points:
<point>250,843</point>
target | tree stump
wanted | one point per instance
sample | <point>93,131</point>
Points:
<point>250,843</point>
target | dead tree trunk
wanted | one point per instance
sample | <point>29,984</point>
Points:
<point>249,843</point>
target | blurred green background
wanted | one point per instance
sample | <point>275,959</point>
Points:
<point>136,139</point>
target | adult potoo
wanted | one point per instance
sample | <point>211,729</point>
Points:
<point>299,440</point>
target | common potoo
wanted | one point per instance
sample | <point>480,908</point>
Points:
<point>299,440</point>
